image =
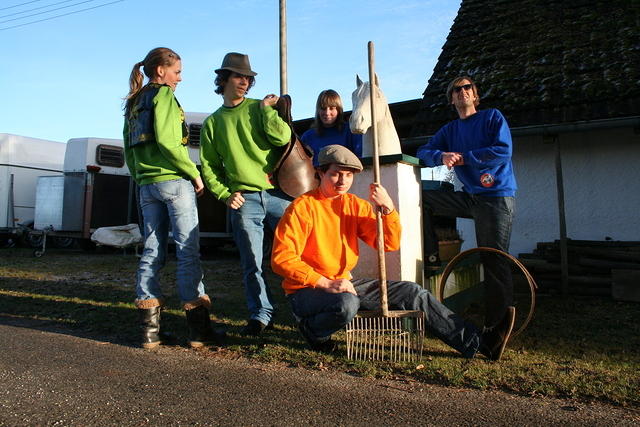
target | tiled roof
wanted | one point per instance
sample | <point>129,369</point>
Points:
<point>541,61</point>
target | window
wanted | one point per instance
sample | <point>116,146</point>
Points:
<point>110,155</point>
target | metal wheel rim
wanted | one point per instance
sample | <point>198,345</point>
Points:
<point>532,283</point>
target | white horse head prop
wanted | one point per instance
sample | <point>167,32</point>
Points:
<point>360,120</point>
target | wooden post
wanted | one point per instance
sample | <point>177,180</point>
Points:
<point>283,47</point>
<point>564,261</point>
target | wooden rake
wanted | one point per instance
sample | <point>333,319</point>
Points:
<point>396,335</point>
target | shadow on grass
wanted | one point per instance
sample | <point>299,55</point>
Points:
<point>79,314</point>
<point>106,312</point>
<point>572,326</point>
<point>569,327</point>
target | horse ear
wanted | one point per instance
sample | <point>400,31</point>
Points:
<point>358,81</point>
<point>377,82</point>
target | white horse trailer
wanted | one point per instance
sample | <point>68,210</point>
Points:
<point>213,215</point>
<point>22,161</point>
<point>96,190</point>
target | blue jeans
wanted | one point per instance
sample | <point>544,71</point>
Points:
<point>324,313</point>
<point>260,213</point>
<point>493,217</point>
<point>170,205</point>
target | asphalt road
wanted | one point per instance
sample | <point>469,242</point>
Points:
<point>58,378</point>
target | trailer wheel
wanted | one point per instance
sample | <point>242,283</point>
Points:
<point>6,242</point>
<point>38,253</point>
<point>34,240</point>
<point>62,242</point>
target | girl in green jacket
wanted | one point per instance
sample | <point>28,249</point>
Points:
<point>155,138</point>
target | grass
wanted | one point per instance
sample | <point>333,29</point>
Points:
<point>577,347</point>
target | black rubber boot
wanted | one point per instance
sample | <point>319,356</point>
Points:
<point>200,331</point>
<point>150,328</point>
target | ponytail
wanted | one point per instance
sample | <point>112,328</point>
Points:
<point>135,84</point>
<point>160,56</point>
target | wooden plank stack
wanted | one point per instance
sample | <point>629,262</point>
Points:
<point>606,268</point>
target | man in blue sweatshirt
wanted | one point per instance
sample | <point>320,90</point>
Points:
<point>478,146</point>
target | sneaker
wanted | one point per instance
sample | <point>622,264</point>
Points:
<point>255,327</point>
<point>324,346</point>
<point>271,326</point>
<point>494,340</point>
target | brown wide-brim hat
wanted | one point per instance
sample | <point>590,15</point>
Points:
<point>339,155</point>
<point>238,63</point>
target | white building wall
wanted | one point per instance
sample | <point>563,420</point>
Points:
<point>601,178</point>
<point>536,218</point>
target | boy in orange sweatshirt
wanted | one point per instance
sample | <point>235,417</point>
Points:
<point>316,247</point>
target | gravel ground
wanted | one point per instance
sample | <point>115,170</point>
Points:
<point>57,377</point>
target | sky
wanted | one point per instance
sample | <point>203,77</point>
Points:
<point>65,77</point>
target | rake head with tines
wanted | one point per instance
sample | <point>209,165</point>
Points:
<point>395,335</point>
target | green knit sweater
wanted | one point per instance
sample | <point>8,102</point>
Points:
<point>239,147</point>
<point>167,157</point>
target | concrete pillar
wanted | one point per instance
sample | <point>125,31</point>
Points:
<point>400,175</point>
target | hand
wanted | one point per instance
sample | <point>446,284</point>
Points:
<point>452,159</point>
<point>198,186</point>
<point>380,198</point>
<point>269,100</point>
<point>235,201</point>
<point>338,286</point>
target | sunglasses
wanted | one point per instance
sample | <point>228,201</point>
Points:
<point>457,89</point>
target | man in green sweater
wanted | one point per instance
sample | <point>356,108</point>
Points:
<point>240,144</point>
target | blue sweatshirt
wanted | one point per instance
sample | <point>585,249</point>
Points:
<point>332,136</point>
<point>484,139</point>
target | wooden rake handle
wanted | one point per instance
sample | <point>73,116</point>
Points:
<point>382,270</point>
